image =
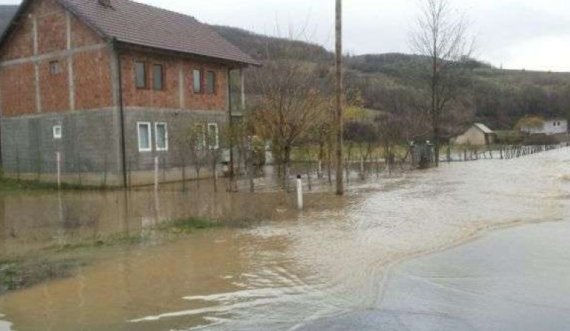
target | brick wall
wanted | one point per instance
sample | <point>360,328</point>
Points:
<point>17,86</point>
<point>170,96</point>
<point>83,76</point>
<point>92,79</point>
<point>54,86</point>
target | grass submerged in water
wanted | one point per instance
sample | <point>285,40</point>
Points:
<point>9,185</point>
<point>190,225</point>
<point>19,274</point>
<point>62,261</point>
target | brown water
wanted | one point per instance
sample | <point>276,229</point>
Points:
<point>284,273</point>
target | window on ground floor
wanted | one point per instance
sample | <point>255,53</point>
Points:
<point>161,136</point>
<point>198,137</point>
<point>213,136</point>
<point>57,134</point>
<point>144,134</point>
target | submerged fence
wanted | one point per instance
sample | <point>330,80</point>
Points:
<point>503,152</point>
<point>106,172</point>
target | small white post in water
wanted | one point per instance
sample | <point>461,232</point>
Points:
<point>299,192</point>
<point>156,173</point>
<point>58,161</point>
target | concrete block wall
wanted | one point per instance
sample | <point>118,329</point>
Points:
<point>88,143</point>
<point>179,124</point>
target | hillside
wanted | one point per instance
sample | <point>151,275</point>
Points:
<point>494,96</point>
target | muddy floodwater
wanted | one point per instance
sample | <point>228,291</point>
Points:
<point>434,250</point>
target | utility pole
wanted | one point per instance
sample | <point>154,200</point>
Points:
<point>339,122</point>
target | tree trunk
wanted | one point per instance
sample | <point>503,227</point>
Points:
<point>287,163</point>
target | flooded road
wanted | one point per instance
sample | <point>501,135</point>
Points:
<point>290,271</point>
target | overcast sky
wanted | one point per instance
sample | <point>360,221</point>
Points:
<point>517,34</point>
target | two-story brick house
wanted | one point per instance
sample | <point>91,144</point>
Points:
<point>109,85</point>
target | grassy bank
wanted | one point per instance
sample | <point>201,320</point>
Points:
<point>9,185</point>
<point>18,274</point>
<point>61,261</point>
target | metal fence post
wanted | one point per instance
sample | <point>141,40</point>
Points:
<point>156,173</point>
<point>58,165</point>
<point>299,192</point>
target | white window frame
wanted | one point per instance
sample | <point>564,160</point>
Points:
<point>217,137</point>
<point>165,148</point>
<point>149,125</point>
<point>57,135</point>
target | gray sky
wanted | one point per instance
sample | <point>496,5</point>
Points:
<point>517,34</point>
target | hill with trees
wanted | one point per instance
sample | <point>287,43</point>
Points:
<point>393,81</point>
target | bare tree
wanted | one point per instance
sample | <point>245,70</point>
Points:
<point>291,103</point>
<point>196,143</point>
<point>442,35</point>
<point>213,144</point>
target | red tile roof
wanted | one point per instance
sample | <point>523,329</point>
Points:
<point>139,24</point>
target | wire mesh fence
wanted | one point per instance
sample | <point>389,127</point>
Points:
<point>185,173</point>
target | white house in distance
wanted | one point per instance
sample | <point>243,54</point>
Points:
<point>477,135</point>
<point>549,127</point>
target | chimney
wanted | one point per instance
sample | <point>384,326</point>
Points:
<point>105,3</point>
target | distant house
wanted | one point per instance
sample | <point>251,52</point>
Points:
<point>477,135</point>
<point>110,85</point>
<point>549,127</point>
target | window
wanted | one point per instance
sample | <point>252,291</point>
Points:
<point>213,136</point>
<point>199,136</point>
<point>161,136</point>
<point>140,74</point>
<point>54,68</point>
<point>158,77</point>
<point>197,81</point>
<point>145,135</point>
<point>211,82</point>
<point>57,134</point>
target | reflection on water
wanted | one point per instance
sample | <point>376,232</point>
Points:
<point>29,222</point>
<point>283,274</point>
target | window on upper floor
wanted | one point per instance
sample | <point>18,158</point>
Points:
<point>197,81</point>
<point>140,75</point>
<point>158,77</point>
<point>211,82</point>
<point>54,68</point>
<point>199,137</point>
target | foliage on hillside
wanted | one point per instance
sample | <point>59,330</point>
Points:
<point>393,82</point>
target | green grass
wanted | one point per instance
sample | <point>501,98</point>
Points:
<point>61,261</point>
<point>20,274</point>
<point>9,185</point>
<point>116,240</point>
<point>190,225</point>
